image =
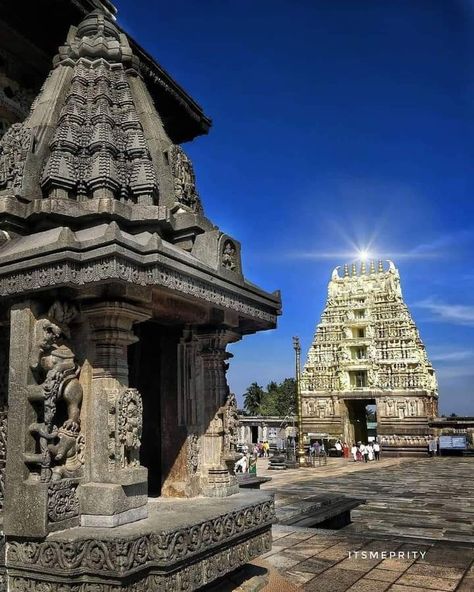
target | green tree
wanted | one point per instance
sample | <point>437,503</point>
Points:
<point>286,401</point>
<point>253,398</point>
<point>278,399</point>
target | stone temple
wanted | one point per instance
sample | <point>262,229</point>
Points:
<point>118,301</point>
<point>367,351</point>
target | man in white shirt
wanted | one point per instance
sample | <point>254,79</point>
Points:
<point>377,450</point>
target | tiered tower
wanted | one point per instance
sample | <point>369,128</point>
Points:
<point>367,350</point>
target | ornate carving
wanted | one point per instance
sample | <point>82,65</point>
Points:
<point>99,147</point>
<point>57,373</point>
<point>230,424</point>
<point>186,579</point>
<point>115,267</point>
<point>63,502</point>
<point>229,256</point>
<point>14,148</point>
<point>3,452</point>
<point>192,458</point>
<point>184,178</point>
<point>129,428</point>
<point>120,556</point>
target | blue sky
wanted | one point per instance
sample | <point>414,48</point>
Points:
<point>337,124</point>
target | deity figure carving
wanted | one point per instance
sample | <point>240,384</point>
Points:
<point>129,428</point>
<point>55,369</point>
<point>193,453</point>
<point>229,256</point>
<point>184,178</point>
<point>230,424</point>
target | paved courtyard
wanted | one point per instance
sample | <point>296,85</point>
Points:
<point>423,507</point>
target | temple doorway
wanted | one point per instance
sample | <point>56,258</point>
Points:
<point>360,420</point>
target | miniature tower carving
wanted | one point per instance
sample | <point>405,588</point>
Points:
<point>367,350</point>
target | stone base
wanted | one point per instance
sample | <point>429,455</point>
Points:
<point>182,545</point>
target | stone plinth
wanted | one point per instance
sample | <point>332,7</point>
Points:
<point>180,546</point>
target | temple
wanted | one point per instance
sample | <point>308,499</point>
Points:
<point>367,351</point>
<point>119,299</point>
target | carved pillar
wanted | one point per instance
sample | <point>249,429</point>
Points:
<point>215,408</point>
<point>116,491</point>
<point>44,460</point>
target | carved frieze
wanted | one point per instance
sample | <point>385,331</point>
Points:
<point>114,267</point>
<point>187,578</point>
<point>112,556</point>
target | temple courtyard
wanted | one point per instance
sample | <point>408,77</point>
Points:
<point>414,533</point>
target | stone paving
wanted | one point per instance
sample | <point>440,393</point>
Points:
<point>419,498</point>
<point>413,505</point>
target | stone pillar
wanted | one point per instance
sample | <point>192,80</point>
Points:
<point>215,410</point>
<point>26,496</point>
<point>116,491</point>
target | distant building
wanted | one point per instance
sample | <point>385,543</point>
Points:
<point>274,429</point>
<point>367,351</point>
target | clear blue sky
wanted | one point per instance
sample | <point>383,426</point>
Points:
<point>337,123</point>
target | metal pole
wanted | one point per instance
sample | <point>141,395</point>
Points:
<point>297,348</point>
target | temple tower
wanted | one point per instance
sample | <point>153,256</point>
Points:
<point>367,351</point>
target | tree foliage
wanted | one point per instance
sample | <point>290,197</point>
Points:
<point>278,398</point>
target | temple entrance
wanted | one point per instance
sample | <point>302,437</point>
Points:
<point>153,371</point>
<point>360,421</point>
<point>145,375</point>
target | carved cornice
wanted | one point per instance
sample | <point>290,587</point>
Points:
<point>120,556</point>
<point>118,268</point>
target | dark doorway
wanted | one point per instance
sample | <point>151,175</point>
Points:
<point>360,415</point>
<point>254,434</point>
<point>144,360</point>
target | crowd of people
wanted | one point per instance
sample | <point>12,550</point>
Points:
<point>365,452</point>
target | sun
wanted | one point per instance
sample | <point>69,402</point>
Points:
<point>364,255</point>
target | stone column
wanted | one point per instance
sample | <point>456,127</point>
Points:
<point>213,408</point>
<point>116,491</point>
<point>25,511</point>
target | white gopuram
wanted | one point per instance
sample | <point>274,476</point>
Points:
<point>367,351</point>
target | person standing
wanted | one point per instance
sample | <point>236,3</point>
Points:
<point>338,447</point>
<point>377,450</point>
<point>345,450</point>
<point>354,451</point>
<point>364,451</point>
<point>370,451</point>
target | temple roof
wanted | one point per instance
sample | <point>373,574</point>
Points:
<point>182,117</point>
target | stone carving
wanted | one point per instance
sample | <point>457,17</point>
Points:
<point>63,502</point>
<point>230,425</point>
<point>185,579</point>
<point>99,148</point>
<point>3,452</point>
<point>184,178</point>
<point>113,267</point>
<point>192,458</point>
<point>129,428</point>
<point>57,373</point>
<point>229,256</point>
<point>118,557</point>
<point>14,148</point>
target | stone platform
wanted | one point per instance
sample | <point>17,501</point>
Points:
<point>182,545</point>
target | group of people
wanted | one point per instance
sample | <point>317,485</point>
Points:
<point>365,452</point>
<point>261,449</point>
